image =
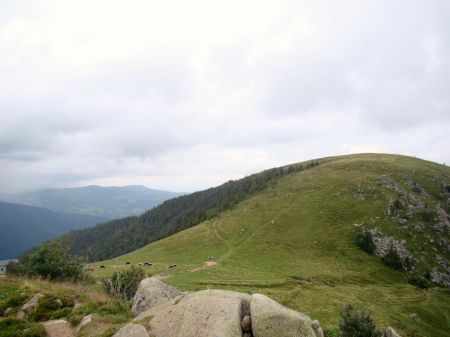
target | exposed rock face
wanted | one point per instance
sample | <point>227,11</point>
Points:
<point>152,292</point>
<point>58,328</point>
<point>31,304</point>
<point>202,314</point>
<point>7,311</point>
<point>20,314</point>
<point>132,330</point>
<point>271,319</point>
<point>389,332</point>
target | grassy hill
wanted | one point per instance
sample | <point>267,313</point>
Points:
<point>295,241</point>
<point>23,227</point>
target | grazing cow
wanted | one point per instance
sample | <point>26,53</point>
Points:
<point>102,267</point>
<point>172,266</point>
<point>148,264</point>
<point>127,262</point>
<point>140,263</point>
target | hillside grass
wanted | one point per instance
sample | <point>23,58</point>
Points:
<point>295,243</point>
<point>108,314</point>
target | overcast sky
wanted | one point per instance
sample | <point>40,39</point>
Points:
<point>183,95</point>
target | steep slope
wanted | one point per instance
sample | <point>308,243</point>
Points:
<point>106,202</point>
<point>22,227</point>
<point>295,241</point>
<point>124,235</point>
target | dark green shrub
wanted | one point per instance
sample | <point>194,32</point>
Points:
<point>11,327</point>
<point>419,281</point>
<point>357,323</point>
<point>393,260</point>
<point>364,240</point>
<point>50,261</point>
<point>123,284</point>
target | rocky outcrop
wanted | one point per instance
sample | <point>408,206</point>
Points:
<point>58,328</point>
<point>152,292</point>
<point>132,330</point>
<point>222,313</point>
<point>271,319</point>
<point>31,304</point>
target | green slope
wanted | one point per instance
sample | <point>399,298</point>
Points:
<point>294,241</point>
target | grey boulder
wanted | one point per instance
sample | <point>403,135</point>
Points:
<point>271,319</point>
<point>207,313</point>
<point>152,292</point>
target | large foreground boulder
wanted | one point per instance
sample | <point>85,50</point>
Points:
<point>208,313</point>
<point>152,292</point>
<point>132,330</point>
<point>271,319</point>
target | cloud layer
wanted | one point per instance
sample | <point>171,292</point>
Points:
<point>183,95</point>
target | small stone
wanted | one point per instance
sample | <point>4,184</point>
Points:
<point>319,332</point>
<point>7,311</point>
<point>246,324</point>
<point>315,324</point>
<point>23,295</point>
<point>84,321</point>
<point>20,314</point>
<point>58,302</point>
<point>33,303</point>
<point>390,332</point>
<point>413,316</point>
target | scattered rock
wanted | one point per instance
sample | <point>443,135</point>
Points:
<point>84,321</point>
<point>7,311</point>
<point>271,319</point>
<point>20,314</point>
<point>246,323</point>
<point>152,292</point>
<point>31,304</point>
<point>58,302</point>
<point>413,316</point>
<point>389,332</point>
<point>132,330</point>
<point>58,328</point>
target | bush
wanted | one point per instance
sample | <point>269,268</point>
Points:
<point>419,281</point>
<point>50,261</point>
<point>393,260</point>
<point>364,240</point>
<point>123,285</point>
<point>357,323</point>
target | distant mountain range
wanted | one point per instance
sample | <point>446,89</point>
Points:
<point>104,202</point>
<point>22,227</point>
